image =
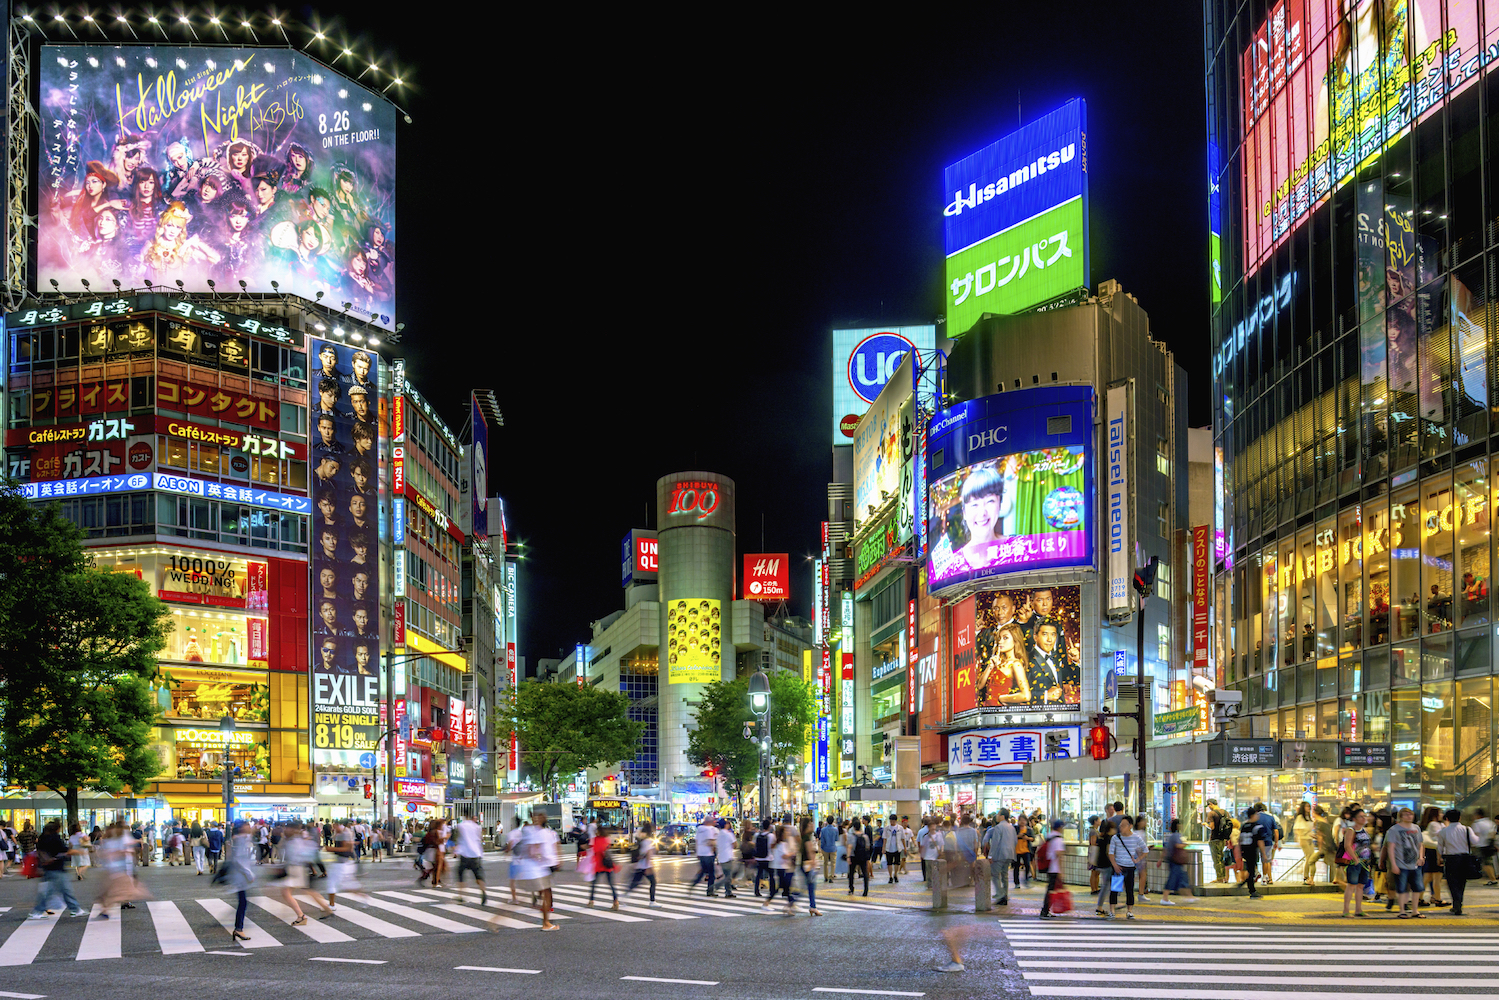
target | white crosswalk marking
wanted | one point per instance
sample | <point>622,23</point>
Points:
<point>405,896</point>
<point>224,914</point>
<point>640,909</point>
<point>173,933</point>
<point>754,903</point>
<point>26,941</point>
<point>314,928</point>
<point>493,904</point>
<point>101,938</point>
<point>490,919</point>
<point>370,922</point>
<point>425,917</point>
<point>1073,958</point>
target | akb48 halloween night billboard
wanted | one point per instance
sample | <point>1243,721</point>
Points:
<point>215,164</point>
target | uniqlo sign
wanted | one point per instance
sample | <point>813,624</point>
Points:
<point>645,555</point>
<point>766,577</point>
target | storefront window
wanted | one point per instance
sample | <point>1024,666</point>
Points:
<point>1436,544</point>
<point>1377,669</point>
<point>1405,730</point>
<point>1376,516</point>
<point>1266,626</point>
<point>1405,562</point>
<point>1405,665</point>
<point>1472,658</point>
<point>1375,724</point>
<point>210,695</point>
<point>1350,676</point>
<point>1327,720</point>
<point>1327,588</point>
<point>1436,657</point>
<point>1289,575</point>
<point>1306,686</point>
<point>1472,767</point>
<point>1327,678</point>
<point>1437,743</point>
<point>1305,584</point>
<point>199,754</point>
<point>1471,516</point>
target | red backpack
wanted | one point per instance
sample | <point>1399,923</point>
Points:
<point>1043,856</point>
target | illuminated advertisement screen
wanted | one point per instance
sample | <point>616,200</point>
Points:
<point>226,164</point>
<point>864,361</point>
<point>1023,650</point>
<point>1016,227</point>
<point>1322,94</point>
<point>1012,485</point>
<point>694,641</point>
<point>479,472</point>
<point>345,555</point>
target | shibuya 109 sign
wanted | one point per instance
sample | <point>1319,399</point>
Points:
<point>694,499</point>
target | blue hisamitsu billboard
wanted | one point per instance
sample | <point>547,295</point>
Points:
<point>1015,221</point>
<point>1012,485</point>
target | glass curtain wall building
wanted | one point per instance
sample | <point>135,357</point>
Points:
<point>1354,230</point>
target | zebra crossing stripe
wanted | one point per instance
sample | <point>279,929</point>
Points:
<point>370,922</point>
<point>640,909</point>
<point>173,934</point>
<point>529,911</point>
<point>101,938</point>
<point>607,914</point>
<point>490,919</point>
<point>26,941</point>
<point>314,928</point>
<point>403,896</point>
<point>224,914</point>
<point>424,917</point>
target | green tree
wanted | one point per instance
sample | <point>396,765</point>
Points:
<point>565,728</point>
<point>718,739</point>
<point>76,707</point>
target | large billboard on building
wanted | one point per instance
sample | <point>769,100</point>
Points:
<point>767,576</point>
<point>694,641</point>
<point>479,472</point>
<point>1023,652</point>
<point>1118,501</point>
<point>1012,482</point>
<point>1016,227</point>
<point>881,446</point>
<point>1322,92</point>
<point>345,555</point>
<point>864,360</point>
<point>228,165</point>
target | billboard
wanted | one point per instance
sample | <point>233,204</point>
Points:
<point>1202,586</point>
<point>880,450</point>
<point>694,641</point>
<point>226,164</point>
<point>1016,229</point>
<point>1018,650</point>
<point>1118,523</point>
<point>1322,96</point>
<point>639,557</point>
<point>345,556</point>
<point>1012,481</point>
<point>977,750</point>
<point>479,473</point>
<point>767,577</point>
<point>864,360</point>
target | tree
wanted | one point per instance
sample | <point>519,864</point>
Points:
<point>76,708</point>
<point>567,728</point>
<point>718,741</point>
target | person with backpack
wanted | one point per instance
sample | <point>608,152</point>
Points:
<point>1102,863</point>
<point>764,841</point>
<point>215,837</point>
<point>858,856</point>
<point>1254,838</point>
<point>706,857</point>
<point>1219,829</point>
<point>1174,850</point>
<point>643,856</point>
<point>52,854</point>
<point>1049,866</point>
<point>603,866</point>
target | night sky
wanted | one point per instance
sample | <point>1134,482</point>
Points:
<point>642,243</point>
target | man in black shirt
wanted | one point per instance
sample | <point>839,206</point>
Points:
<point>52,856</point>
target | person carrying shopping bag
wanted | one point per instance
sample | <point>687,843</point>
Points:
<point>1460,863</point>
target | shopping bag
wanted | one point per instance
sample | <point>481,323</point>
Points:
<point>1061,901</point>
<point>29,866</point>
<point>586,866</point>
<point>1116,884</point>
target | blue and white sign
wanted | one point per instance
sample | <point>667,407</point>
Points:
<point>398,519</point>
<point>992,749</point>
<point>366,760</point>
<point>863,362</point>
<point>97,485</point>
<point>821,776</point>
<point>1026,173</point>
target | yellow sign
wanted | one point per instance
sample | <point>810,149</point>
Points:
<point>422,645</point>
<point>694,641</point>
<point>217,736</point>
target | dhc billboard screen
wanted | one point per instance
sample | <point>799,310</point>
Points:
<point>1012,485</point>
<point>1015,221</point>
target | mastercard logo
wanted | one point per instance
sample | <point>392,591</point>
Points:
<point>848,424</point>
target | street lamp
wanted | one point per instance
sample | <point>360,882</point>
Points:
<point>226,726</point>
<point>759,697</point>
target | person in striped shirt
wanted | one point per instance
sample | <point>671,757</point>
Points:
<point>1126,849</point>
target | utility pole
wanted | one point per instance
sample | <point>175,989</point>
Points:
<point>1144,584</point>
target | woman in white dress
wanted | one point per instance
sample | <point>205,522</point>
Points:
<point>300,851</point>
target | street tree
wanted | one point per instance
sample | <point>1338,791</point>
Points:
<point>77,706</point>
<point>566,728</point>
<point>718,739</point>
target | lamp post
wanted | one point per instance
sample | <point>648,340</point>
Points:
<point>759,697</point>
<point>226,726</point>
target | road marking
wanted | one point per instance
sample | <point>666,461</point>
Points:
<point>314,928</point>
<point>626,907</point>
<point>605,914</point>
<point>231,954</point>
<point>224,914</point>
<point>491,919</point>
<point>408,897</point>
<point>370,922</point>
<point>26,941</point>
<point>427,917</point>
<point>351,961</point>
<point>492,968</point>
<point>23,996</point>
<point>683,982</point>
<point>173,933</point>
<point>101,938</point>
<point>1092,977</point>
<point>529,911</point>
<point>878,993</point>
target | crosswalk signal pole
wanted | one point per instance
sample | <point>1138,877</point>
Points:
<point>226,726</point>
<point>1144,584</point>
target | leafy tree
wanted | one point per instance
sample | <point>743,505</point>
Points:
<point>76,708</point>
<point>565,728</point>
<point>718,741</point>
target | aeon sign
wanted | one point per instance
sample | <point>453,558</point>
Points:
<point>699,499</point>
<point>874,361</point>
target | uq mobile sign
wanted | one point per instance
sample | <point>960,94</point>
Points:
<point>1015,219</point>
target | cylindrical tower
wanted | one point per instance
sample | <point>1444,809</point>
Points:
<point>695,528</point>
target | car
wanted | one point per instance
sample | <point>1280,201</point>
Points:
<point>677,838</point>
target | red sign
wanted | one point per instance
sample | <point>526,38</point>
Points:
<point>400,622</point>
<point>646,560</point>
<point>259,635</point>
<point>1201,588</point>
<point>912,650</point>
<point>398,419</point>
<point>407,788</point>
<point>848,424</point>
<point>767,577</point>
<point>220,404</point>
<point>457,722</point>
<point>257,586</point>
<point>213,600</point>
<point>513,763</point>
<point>963,675</point>
<point>699,499</point>
<point>80,399</point>
<point>398,468</point>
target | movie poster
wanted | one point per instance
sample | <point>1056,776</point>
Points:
<point>1025,651</point>
<point>230,165</point>
<point>345,553</point>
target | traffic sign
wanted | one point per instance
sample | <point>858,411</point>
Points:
<point>366,760</point>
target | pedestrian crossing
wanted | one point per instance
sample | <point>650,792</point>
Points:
<point>1192,961</point>
<point>204,925</point>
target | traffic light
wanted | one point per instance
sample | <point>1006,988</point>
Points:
<point>369,790</point>
<point>1145,577</point>
<point>1099,739</point>
<point>708,773</point>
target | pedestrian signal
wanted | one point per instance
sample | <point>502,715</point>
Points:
<point>1099,739</point>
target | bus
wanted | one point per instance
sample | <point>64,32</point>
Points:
<point>625,813</point>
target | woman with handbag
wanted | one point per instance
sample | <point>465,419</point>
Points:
<point>1459,863</point>
<point>1102,863</point>
<point>1353,856</point>
<point>1431,828</point>
<point>1174,850</point>
<point>1126,848</point>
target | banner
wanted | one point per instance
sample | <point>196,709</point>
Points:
<point>1117,523</point>
<point>1024,654</point>
<point>479,472</point>
<point>230,165</point>
<point>767,576</point>
<point>1202,583</point>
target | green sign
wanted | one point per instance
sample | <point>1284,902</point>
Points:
<point>1030,263</point>
<point>1178,722</point>
<point>873,551</point>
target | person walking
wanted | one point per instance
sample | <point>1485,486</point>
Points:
<point>809,866</point>
<point>1253,838</point>
<point>725,842</point>
<point>931,843</point>
<point>468,845</point>
<point>1220,829</point>
<point>827,846</point>
<point>1431,826</point>
<point>536,855</point>
<point>1125,851</point>
<point>1101,860</point>
<point>239,872</point>
<point>1093,870</point>
<point>784,858</point>
<point>78,849</point>
<point>1354,855</point>
<point>215,838</point>
<point>299,852</point>
<point>1049,858</point>
<point>1174,850</point>
<point>764,841</point>
<point>339,876</point>
<point>968,842</point>
<point>1304,832</point>
<point>999,845</point>
<point>645,860</point>
<point>603,866</point>
<point>1483,829</point>
<point>706,856</point>
<point>1022,862</point>
<point>52,853</point>
<point>858,856</point>
<point>894,850</point>
<point>1405,849</point>
<point>1457,843</point>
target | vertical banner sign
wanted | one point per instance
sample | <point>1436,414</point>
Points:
<point>258,603</point>
<point>257,587</point>
<point>1201,592</point>
<point>580,660</point>
<point>848,622</point>
<point>846,718</point>
<point>398,418</point>
<point>1117,500</point>
<point>818,635</point>
<point>400,607</point>
<point>479,472</point>
<point>398,520</point>
<point>398,470</point>
<point>822,750</point>
<point>399,725</point>
<point>345,561</point>
<point>912,655</point>
<point>826,685</point>
<point>259,640</point>
<point>511,662</point>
